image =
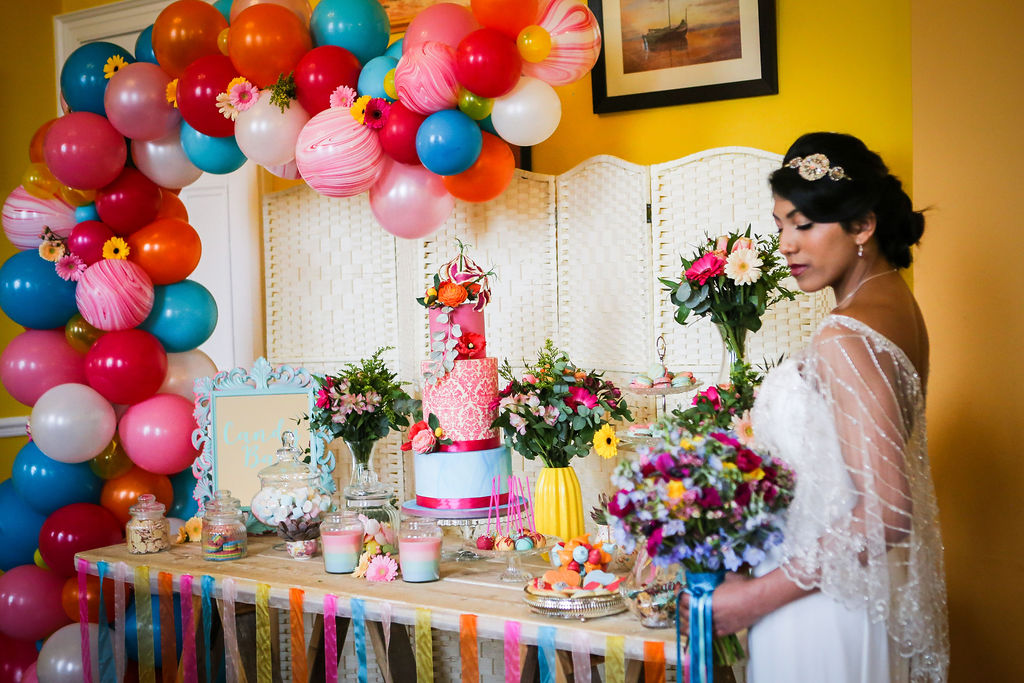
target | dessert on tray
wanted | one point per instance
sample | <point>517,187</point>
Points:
<point>658,376</point>
<point>580,570</point>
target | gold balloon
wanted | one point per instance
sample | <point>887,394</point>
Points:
<point>80,334</point>
<point>39,182</point>
<point>111,463</point>
<point>76,197</point>
<point>534,43</point>
<point>222,41</point>
<point>389,85</point>
<point>38,559</point>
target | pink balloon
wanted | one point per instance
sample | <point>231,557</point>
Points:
<point>410,201</point>
<point>38,360</point>
<point>84,151</point>
<point>575,42</point>
<point>30,675</point>
<point>289,171</point>
<point>25,216</point>
<point>157,434</point>
<point>444,22</point>
<point>136,102</point>
<point>425,78</point>
<point>338,156</point>
<point>164,162</point>
<point>114,294</point>
<point>87,240</point>
<point>30,606</point>
<point>300,7</point>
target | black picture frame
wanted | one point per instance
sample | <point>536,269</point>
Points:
<point>767,83</point>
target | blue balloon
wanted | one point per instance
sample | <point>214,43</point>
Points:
<point>184,505</point>
<point>19,528</point>
<point>395,49</point>
<point>33,295</point>
<point>82,80</point>
<point>46,484</point>
<point>488,125</point>
<point>448,142</point>
<point>144,46</point>
<point>371,78</point>
<point>86,213</point>
<point>224,7</point>
<point>183,317</point>
<point>360,26</point>
<point>131,628</point>
<point>213,155</point>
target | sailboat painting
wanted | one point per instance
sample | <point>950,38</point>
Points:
<point>661,34</point>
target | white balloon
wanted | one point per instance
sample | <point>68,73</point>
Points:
<point>164,162</point>
<point>60,660</point>
<point>183,369</point>
<point>267,135</point>
<point>528,114</point>
<point>72,423</point>
<point>289,171</point>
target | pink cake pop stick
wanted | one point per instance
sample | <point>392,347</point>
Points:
<point>492,504</point>
<point>513,501</point>
<point>529,494</point>
<point>520,513</point>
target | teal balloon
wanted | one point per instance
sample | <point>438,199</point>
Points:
<point>33,295</point>
<point>82,80</point>
<point>224,7</point>
<point>371,78</point>
<point>144,46</point>
<point>395,49</point>
<point>487,125</point>
<point>19,528</point>
<point>131,628</point>
<point>86,213</point>
<point>360,26</point>
<point>184,505</point>
<point>210,154</point>
<point>46,484</point>
<point>448,142</point>
<point>184,315</point>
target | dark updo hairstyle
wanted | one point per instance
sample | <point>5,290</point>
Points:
<point>869,188</point>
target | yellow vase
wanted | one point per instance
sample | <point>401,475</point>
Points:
<point>558,503</point>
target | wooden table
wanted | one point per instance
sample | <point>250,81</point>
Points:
<point>465,588</point>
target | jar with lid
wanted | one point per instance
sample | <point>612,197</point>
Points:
<point>224,534</point>
<point>289,490</point>
<point>148,531</point>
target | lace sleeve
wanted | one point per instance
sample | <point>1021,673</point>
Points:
<point>880,547</point>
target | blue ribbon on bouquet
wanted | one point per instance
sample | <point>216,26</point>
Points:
<point>700,586</point>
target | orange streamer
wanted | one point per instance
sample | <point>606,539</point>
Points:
<point>654,662</point>
<point>299,664</point>
<point>468,648</point>
<point>168,652</point>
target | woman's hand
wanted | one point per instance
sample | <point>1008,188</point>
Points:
<point>741,600</point>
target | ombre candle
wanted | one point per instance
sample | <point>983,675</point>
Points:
<point>341,535</point>
<point>419,550</point>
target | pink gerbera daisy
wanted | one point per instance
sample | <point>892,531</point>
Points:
<point>382,568</point>
<point>242,94</point>
<point>376,112</point>
<point>343,96</point>
<point>70,267</point>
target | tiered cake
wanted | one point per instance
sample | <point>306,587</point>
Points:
<point>467,462</point>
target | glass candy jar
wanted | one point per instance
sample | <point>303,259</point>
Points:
<point>148,531</point>
<point>289,492</point>
<point>224,534</point>
<point>650,591</point>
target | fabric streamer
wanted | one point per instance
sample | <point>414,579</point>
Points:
<point>168,647</point>
<point>700,586</point>
<point>581,657</point>
<point>385,620</point>
<point>359,633</point>
<point>330,638</point>
<point>83,618</point>
<point>108,671</point>
<point>207,583</point>
<point>468,649</point>
<point>264,663</point>
<point>120,598</point>
<point>654,662</point>
<point>615,659</point>
<point>233,660</point>
<point>188,631</point>
<point>546,653</point>
<point>299,665</point>
<point>144,626</point>
<point>512,670</point>
<point>424,647</point>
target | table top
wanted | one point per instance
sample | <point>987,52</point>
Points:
<point>465,588</point>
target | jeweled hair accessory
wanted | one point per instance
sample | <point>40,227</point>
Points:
<point>817,166</point>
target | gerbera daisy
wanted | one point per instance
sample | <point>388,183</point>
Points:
<point>364,564</point>
<point>743,266</point>
<point>115,248</point>
<point>70,267</point>
<point>359,108</point>
<point>243,94</point>
<point>382,568</point>
<point>52,250</point>
<point>605,442</point>
<point>343,96</point>
<point>744,428</point>
<point>376,112</point>
<point>194,529</point>
<point>224,106</point>
<point>113,65</point>
<point>171,93</point>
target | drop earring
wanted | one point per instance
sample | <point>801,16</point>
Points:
<point>860,251</point>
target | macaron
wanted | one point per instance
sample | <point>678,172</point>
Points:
<point>642,381</point>
<point>681,381</point>
<point>656,370</point>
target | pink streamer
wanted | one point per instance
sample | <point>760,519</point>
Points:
<point>512,669</point>
<point>529,496</point>
<point>581,657</point>
<point>83,619</point>
<point>233,660</point>
<point>120,598</point>
<point>330,638</point>
<point>188,631</point>
<point>385,620</point>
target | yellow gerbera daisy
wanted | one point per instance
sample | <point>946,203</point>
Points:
<point>172,93</point>
<point>359,108</point>
<point>113,65</point>
<point>605,442</point>
<point>676,490</point>
<point>115,248</point>
<point>194,529</point>
<point>51,250</point>
<point>237,80</point>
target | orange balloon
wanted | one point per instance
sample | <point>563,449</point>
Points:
<point>266,41</point>
<point>508,16</point>
<point>168,249</point>
<point>35,147</point>
<point>171,206</point>
<point>489,175</point>
<point>121,493</point>
<point>69,598</point>
<point>185,31</point>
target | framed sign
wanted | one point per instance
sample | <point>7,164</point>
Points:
<point>241,415</point>
<point>657,53</point>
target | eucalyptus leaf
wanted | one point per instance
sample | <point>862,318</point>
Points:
<point>578,423</point>
<point>449,365</point>
<point>437,346</point>
<point>583,410</point>
<point>451,344</point>
<point>456,330</point>
<point>683,293</point>
<point>702,307</point>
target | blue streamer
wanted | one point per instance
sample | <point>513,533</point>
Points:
<point>546,643</point>
<point>700,586</point>
<point>208,582</point>
<point>359,627</point>
<point>108,670</point>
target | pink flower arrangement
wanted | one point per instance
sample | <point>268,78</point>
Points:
<point>383,568</point>
<point>424,441</point>
<point>710,395</point>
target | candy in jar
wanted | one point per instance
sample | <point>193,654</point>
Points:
<point>224,534</point>
<point>148,531</point>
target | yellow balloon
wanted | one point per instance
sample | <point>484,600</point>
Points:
<point>80,334</point>
<point>534,43</point>
<point>39,182</point>
<point>389,85</point>
<point>111,463</point>
<point>38,559</point>
<point>76,197</point>
<point>222,41</point>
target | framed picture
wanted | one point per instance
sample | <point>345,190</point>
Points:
<point>241,416</point>
<point>658,53</point>
<point>401,12</point>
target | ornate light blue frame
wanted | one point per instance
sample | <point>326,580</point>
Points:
<point>263,379</point>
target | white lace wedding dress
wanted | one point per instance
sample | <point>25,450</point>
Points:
<point>847,414</point>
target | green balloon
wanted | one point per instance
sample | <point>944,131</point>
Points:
<point>474,106</point>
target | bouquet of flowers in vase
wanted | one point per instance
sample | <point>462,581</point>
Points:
<point>723,406</point>
<point>732,279</point>
<point>705,502</point>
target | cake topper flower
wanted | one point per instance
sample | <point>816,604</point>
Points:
<point>471,345</point>
<point>113,65</point>
<point>426,436</point>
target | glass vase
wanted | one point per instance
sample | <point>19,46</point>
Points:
<point>364,480</point>
<point>734,341</point>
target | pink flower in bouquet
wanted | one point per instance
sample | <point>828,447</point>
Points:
<point>705,268</point>
<point>578,395</point>
<point>620,505</point>
<point>747,460</point>
<point>743,243</point>
<point>722,245</point>
<point>711,395</point>
<point>742,495</point>
<point>710,498</point>
<point>323,399</point>
<point>382,568</point>
<point>424,441</point>
<point>532,379</point>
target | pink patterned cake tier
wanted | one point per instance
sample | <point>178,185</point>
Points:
<point>462,402</point>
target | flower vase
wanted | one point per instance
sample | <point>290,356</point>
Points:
<point>364,479</point>
<point>558,503</point>
<point>734,342</point>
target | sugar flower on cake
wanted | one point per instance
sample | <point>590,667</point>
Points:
<point>451,294</point>
<point>459,281</point>
<point>425,436</point>
<point>382,568</point>
<point>471,345</point>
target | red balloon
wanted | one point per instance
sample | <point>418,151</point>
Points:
<point>398,135</point>
<point>267,41</point>
<point>487,63</point>
<point>120,493</point>
<point>171,206</point>
<point>129,202</point>
<point>126,366</point>
<point>73,529</point>
<point>168,249</point>
<point>16,658</point>
<point>30,602</point>
<point>84,151</point>
<point>87,240</point>
<point>198,88</point>
<point>320,72</point>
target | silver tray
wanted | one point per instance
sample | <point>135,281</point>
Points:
<point>590,607</point>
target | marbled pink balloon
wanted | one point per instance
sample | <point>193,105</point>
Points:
<point>575,42</point>
<point>25,216</point>
<point>425,78</point>
<point>337,155</point>
<point>114,294</point>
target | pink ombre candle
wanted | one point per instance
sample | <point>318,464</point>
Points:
<point>419,550</point>
<point>341,535</point>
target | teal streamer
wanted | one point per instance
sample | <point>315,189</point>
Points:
<point>208,583</point>
<point>546,644</point>
<point>108,670</point>
<point>359,628</point>
<point>700,586</point>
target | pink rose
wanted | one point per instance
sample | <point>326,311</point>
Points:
<point>743,243</point>
<point>722,244</point>
<point>530,378</point>
<point>424,441</point>
<point>711,396</point>
<point>705,268</point>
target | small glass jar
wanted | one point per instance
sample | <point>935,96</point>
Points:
<point>224,534</point>
<point>289,489</point>
<point>341,536</point>
<point>419,549</point>
<point>148,531</point>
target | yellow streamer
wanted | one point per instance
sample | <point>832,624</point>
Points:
<point>264,663</point>
<point>615,659</point>
<point>144,626</point>
<point>424,647</point>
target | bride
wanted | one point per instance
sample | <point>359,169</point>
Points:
<point>856,592</point>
